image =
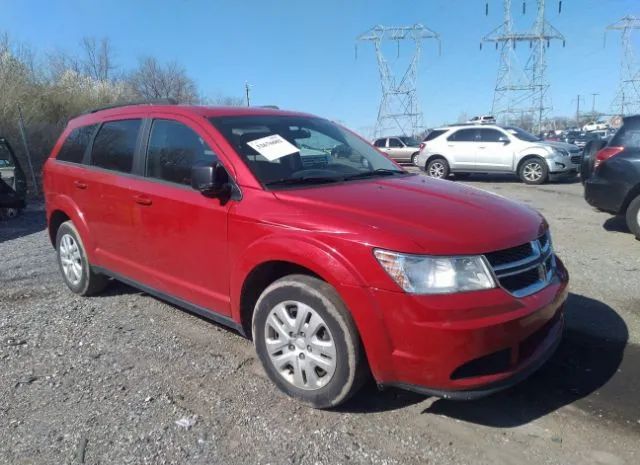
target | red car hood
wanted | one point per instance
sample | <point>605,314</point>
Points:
<point>412,213</point>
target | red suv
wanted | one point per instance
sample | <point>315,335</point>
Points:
<point>300,235</point>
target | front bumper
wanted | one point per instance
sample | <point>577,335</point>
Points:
<point>562,166</point>
<point>469,345</point>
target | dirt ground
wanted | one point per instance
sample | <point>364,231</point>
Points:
<point>125,378</point>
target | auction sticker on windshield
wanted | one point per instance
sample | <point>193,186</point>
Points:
<point>273,147</point>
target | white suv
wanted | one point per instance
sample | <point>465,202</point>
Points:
<point>473,148</point>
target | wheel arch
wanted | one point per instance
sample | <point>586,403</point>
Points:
<point>274,257</point>
<point>632,194</point>
<point>64,209</point>
<point>529,156</point>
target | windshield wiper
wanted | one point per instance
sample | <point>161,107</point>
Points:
<point>304,180</point>
<point>376,172</point>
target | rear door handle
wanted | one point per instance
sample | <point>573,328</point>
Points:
<point>143,200</point>
<point>80,184</point>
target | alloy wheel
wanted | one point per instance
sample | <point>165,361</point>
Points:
<point>71,259</point>
<point>532,171</point>
<point>436,170</point>
<point>300,345</point>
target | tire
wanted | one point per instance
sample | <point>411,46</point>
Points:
<point>74,265</point>
<point>588,158</point>
<point>414,158</point>
<point>534,170</point>
<point>437,168</point>
<point>323,368</point>
<point>633,217</point>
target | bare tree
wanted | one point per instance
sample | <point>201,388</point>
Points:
<point>97,61</point>
<point>151,80</point>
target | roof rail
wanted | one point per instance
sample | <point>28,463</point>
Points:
<point>160,101</point>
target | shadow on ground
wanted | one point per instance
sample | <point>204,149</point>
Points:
<point>512,178</point>
<point>580,373</point>
<point>616,224</point>
<point>28,222</point>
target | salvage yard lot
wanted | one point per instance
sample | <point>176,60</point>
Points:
<point>105,379</point>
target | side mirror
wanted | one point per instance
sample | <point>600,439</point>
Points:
<point>504,139</point>
<point>211,180</point>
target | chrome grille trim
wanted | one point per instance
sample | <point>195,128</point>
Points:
<point>541,258</point>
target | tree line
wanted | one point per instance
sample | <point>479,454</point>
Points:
<point>50,89</point>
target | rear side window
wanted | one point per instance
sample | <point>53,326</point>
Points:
<point>464,135</point>
<point>380,142</point>
<point>433,134</point>
<point>173,150</point>
<point>490,135</point>
<point>115,145</point>
<point>76,144</point>
<point>628,135</point>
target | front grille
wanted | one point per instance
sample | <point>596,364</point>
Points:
<point>576,159</point>
<point>524,269</point>
<point>509,255</point>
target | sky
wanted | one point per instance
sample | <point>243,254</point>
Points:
<point>300,54</point>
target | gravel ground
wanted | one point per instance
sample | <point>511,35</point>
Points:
<point>125,378</point>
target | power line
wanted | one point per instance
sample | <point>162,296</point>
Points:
<point>522,91</point>
<point>399,109</point>
<point>627,98</point>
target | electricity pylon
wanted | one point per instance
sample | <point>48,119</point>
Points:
<point>399,109</point>
<point>627,99</point>
<point>521,91</point>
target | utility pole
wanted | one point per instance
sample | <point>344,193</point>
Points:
<point>399,109</point>
<point>578,110</point>
<point>627,99</point>
<point>247,90</point>
<point>593,104</point>
<point>519,90</point>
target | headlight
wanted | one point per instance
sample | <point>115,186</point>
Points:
<point>420,274</point>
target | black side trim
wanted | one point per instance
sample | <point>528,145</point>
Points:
<point>489,389</point>
<point>193,308</point>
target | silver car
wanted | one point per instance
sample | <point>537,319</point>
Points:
<point>400,148</point>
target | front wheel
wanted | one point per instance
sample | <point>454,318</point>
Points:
<point>438,168</point>
<point>534,171</point>
<point>633,217</point>
<point>307,342</point>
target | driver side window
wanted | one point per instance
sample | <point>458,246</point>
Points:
<point>395,143</point>
<point>173,150</point>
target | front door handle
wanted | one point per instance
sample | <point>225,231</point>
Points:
<point>80,184</point>
<point>143,200</point>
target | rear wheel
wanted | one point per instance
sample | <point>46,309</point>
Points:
<point>437,168</point>
<point>633,217</point>
<point>534,171</point>
<point>307,341</point>
<point>414,158</point>
<point>73,263</point>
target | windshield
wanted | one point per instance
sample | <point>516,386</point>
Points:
<point>294,150</point>
<point>522,134</point>
<point>410,141</point>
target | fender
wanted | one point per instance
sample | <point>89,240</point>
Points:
<point>304,251</point>
<point>331,267</point>
<point>67,206</point>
